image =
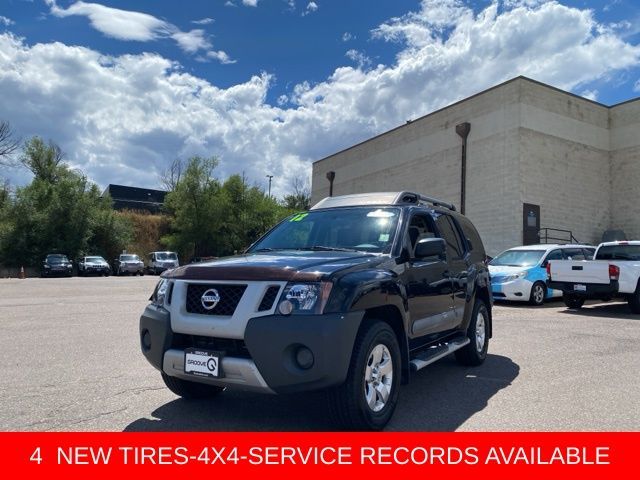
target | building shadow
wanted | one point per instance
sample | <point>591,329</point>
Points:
<point>440,397</point>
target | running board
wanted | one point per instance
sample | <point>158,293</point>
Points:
<point>433,354</point>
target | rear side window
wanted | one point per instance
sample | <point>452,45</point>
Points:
<point>450,235</point>
<point>555,255</point>
<point>619,252</point>
<point>588,253</point>
<point>474,241</point>
<point>574,254</point>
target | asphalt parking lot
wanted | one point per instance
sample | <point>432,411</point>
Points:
<point>71,361</point>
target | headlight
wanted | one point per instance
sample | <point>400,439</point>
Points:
<point>304,297</point>
<point>47,266</point>
<point>515,276</point>
<point>160,292</point>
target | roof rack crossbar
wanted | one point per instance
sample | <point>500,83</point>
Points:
<point>412,197</point>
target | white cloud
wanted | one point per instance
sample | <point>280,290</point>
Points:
<point>229,3</point>
<point>636,86</point>
<point>220,56</point>
<point>591,94</point>
<point>7,22</point>
<point>346,36</point>
<point>360,58</point>
<point>250,3</point>
<point>203,21</point>
<point>133,26</point>
<point>310,8</point>
<point>122,118</point>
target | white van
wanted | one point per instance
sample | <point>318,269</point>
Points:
<point>158,262</point>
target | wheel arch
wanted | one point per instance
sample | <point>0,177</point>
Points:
<point>391,316</point>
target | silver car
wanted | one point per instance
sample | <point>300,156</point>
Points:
<point>128,263</point>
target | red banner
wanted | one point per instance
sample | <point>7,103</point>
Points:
<point>292,455</point>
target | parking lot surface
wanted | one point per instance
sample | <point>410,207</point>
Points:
<point>71,361</point>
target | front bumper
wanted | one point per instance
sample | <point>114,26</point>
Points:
<point>131,268</point>
<point>516,290</point>
<point>272,343</point>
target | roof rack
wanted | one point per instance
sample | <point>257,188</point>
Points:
<point>418,199</point>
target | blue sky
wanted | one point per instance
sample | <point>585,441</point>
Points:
<point>271,85</point>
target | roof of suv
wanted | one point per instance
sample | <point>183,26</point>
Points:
<point>380,198</point>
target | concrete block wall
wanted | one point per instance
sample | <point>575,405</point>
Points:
<point>529,143</point>
<point>625,168</point>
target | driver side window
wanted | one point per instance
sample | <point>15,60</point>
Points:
<point>421,226</point>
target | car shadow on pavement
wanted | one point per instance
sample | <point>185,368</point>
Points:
<point>618,310</point>
<point>440,397</point>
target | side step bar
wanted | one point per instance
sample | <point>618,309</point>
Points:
<point>433,354</point>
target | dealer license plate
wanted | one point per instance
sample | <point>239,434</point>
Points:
<point>580,288</point>
<point>202,363</point>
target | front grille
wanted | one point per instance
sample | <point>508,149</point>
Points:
<point>229,346</point>
<point>230,296</point>
<point>269,298</point>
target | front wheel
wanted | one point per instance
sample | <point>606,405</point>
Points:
<point>190,390</point>
<point>368,397</point>
<point>478,333</point>
<point>538,294</point>
<point>634,300</point>
<point>573,302</point>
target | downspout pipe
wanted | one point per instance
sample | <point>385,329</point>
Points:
<point>463,130</point>
<point>331,176</point>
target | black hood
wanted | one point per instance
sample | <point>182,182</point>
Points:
<point>282,265</point>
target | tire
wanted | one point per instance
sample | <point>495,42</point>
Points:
<point>634,300</point>
<point>476,350</point>
<point>359,403</point>
<point>573,302</point>
<point>538,294</point>
<point>190,390</point>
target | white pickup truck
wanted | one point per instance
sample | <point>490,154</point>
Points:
<point>613,272</point>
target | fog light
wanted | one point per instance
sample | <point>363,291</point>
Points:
<point>146,339</point>
<point>304,358</point>
<point>285,307</point>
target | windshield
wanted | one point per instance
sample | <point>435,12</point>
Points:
<point>518,258</point>
<point>166,256</point>
<point>57,259</point>
<point>369,229</point>
<point>94,260</point>
<point>619,252</point>
<point>129,258</point>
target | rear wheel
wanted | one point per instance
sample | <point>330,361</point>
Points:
<point>190,390</point>
<point>478,333</point>
<point>572,301</point>
<point>368,397</point>
<point>538,294</point>
<point>634,300</point>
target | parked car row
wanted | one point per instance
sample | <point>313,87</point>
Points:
<point>57,264</point>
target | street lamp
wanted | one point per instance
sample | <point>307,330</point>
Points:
<point>269,177</point>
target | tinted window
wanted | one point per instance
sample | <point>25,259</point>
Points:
<point>619,252</point>
<point>588,253</point>
<point>574,254</point>
<point>450,236</point>
<point>518,258</point>
<point>555,255</point>
<point>473,237</point>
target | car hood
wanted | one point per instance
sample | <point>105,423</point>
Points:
<point>505,270</point>
<point>287,265</point>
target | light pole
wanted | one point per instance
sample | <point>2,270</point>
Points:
<point>269,177</point>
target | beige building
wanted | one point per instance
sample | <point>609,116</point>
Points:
<point>536,157</point>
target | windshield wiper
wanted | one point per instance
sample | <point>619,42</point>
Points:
<point>322,248</point>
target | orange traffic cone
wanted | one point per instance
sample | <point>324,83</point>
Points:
<point>22,272</point>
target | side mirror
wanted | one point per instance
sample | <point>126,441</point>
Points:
<point>431,247</point>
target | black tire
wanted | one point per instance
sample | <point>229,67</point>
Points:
<point>572,301</point>
<point>634,300</point>
<point>348,402</point>
<point>471,354</point>
<point>538,294</point>
<point>190,390</point>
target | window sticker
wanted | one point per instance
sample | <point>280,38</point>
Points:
<point>298,217</point>
<point>384,237</point>
<point>381,214</point>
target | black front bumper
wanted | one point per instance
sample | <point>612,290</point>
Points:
<point>593,290</point>
<point>273,343</point>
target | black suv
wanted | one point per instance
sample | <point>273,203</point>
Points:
<point>350,297</point>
